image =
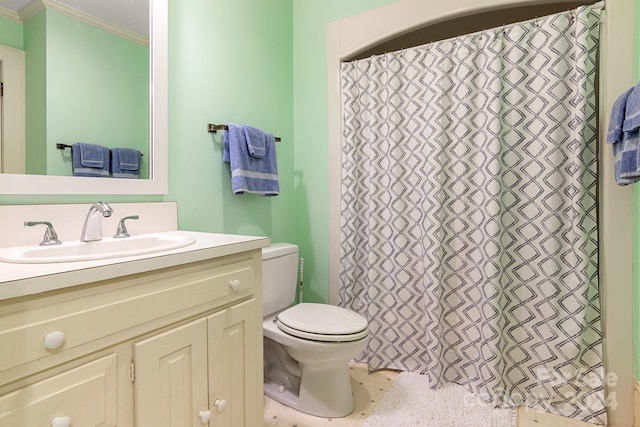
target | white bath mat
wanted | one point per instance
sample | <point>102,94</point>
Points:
<point>410,402</point>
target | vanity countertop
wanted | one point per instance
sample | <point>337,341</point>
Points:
<point>18,280</point>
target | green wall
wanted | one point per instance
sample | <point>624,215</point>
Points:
<point>11,33</point>
<point>230,61</point>
<point>264,64</point>
<point>310,19</point>
<point>35,57</point>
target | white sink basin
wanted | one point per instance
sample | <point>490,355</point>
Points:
<point>105,248</point>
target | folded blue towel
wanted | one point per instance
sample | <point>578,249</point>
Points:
<point>614,132</point>
<point>125,163</point>
<point>256,141</point>
<point>632,110</point>
<point>89,160</point>
<point>251,174</point>
<point>624,135</point>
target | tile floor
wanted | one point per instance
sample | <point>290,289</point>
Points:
<point>368,389</point>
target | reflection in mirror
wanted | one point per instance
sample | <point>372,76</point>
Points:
<point>96,91</point>
<point>12,110</point>
<point>87,80</point>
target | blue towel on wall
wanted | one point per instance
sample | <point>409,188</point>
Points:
<point>632,110</point>
<point>614,132</point>
<point>125,163</point>
<point>623,133</point>
<point>251,154</point>
<point>257,141</point>
<point>90,160</point>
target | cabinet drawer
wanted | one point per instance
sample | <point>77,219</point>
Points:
<point>86,395</point>
<point>49,331</point>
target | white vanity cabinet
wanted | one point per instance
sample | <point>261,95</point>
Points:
<point>177,346</point>
<point>172,387</point>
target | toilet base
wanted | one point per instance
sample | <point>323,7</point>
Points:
<point>309,376</point>
<point>323,392</point>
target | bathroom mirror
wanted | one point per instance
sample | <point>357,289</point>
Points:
<point>157,183</point>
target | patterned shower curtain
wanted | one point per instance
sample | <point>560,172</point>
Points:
<point>469,212</point>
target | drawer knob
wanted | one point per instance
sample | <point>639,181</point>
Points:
<point>234,285</point>
<point>54,340</point>
<point>204,416</point>
<point>61,422</point>
<point>220,405</point>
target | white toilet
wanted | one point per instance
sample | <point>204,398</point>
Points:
<point>307,347</point>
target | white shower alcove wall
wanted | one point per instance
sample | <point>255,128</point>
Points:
<point>352,36</point>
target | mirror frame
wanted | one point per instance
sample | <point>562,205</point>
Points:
<point>158,182</point>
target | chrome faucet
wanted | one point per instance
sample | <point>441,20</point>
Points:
<point>92,229</point>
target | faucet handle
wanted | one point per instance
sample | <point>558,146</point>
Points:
<point>122,229</point>
<point>50,235</point>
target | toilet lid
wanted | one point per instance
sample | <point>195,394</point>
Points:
<point>322,322</point>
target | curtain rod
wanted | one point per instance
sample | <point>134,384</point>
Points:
<point>214,128</point>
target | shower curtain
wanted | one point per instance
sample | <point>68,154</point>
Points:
<point>469,212</point>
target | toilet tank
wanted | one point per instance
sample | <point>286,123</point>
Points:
<point>279,277</point>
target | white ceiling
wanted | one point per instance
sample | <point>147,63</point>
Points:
<point>132,15</point>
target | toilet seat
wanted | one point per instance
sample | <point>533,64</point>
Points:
<point>322,322</point>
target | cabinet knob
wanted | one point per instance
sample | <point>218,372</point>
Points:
<point>234,285</point>
<point>204,416</point>
<point>61,422</point>
<point>220,405</point>
<point>53,340</point>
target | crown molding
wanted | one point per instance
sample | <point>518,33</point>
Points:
<point>36,6</point>
<point>30,10</point>
<point>9,14</point>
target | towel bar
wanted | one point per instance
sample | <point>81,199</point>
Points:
<point>214,128</point>
<point>63,146</point>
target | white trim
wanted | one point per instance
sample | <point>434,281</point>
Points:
<point>159,84</point>
<point>31,10</point>
<point>350,36</point>
<point>14,116</point>
<point>9,14</point>
<point>36,6</point>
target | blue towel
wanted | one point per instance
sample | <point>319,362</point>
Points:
<point>629,157</point>
<point>623,133</point>
<point>89,160</point>
<point>251,174</point>
<point>125,163</point>
<point>256,141</point>
<point>614,132</point>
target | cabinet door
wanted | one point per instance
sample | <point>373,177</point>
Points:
<point>83,396</point>
<point>170,386</point>
<point>235,366</point>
